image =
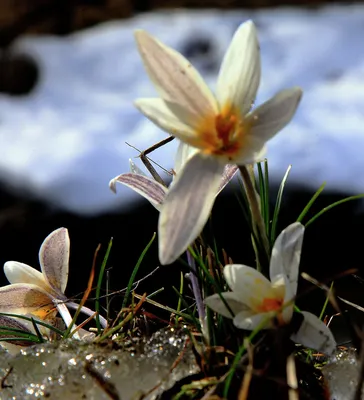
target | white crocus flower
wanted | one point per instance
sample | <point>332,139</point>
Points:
<point>41,294</point>
<point>152,190</point>
<point>222,128</point>
<point>254,299</point>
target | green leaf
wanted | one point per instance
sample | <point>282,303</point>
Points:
<point>309,204</point>
<point>98,287</point>
<point>277,207</point>
<point>337,203</point>
<point>135,270</point>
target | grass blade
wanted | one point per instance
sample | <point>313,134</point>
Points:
<point>98,287</point>
<point>277,207</point>
<point>337,203</point>
<point>135,270</point>
<point>309,204</point>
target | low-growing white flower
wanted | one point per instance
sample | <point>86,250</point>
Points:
<point>41,294</point>
<point>254,299</point>
<point>221,128</point>
<point>152,190</point>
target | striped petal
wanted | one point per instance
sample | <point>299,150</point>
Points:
<point>239,75</point>
<point>157,111</point>
<point>54,258</point>
<point>151,190</point>
<point>187,206</point>
<point>227,176</point>
<point>184,152</point>
<point>134,169</point>
<point>273,115</point>
<point>25,299</point>
<point>14,346</point>
<point>174,77</point>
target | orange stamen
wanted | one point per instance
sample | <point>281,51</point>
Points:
<point>270,304</point>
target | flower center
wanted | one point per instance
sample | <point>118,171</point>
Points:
<point>225,126</point>
<point>270,304</point>
<point>223,134</point>
<point>228,132</point>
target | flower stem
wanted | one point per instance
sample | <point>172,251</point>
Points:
<point>254,206</point>
<point>197,293</point>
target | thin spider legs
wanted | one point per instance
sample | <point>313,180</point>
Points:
<point>148,164</point>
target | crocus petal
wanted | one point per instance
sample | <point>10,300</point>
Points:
<point>248,284</point>
<point>273,115</point>
<point>239,75</point>
<point>187,206</point>
<point>9,322</point>
<point>249,320</point>
<point>174,77</point>
<point>17,272</point>
<point>24,299</point>
<point>227,176</point>
<point>281,285</point>
<point>134,168</point>
<point>286,255</point>
<point>216,304</point>
<point>314,334</point>
<point>54,258</point>
<point>161,115</point>
<point>12,323</point>
<point>184,152</point>
<point>153,191</point>
<point>253,151</point>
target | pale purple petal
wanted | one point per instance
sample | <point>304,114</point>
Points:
<point>174,77</point>
<point>184,152</point>
<point>12,323</point>
<point>134,169</point>
<point>54,258</point>
<point>227,176</point>
<point>25,299</point>
<point>187,206</point>
<point>150,189</point>
<point>178,124</point>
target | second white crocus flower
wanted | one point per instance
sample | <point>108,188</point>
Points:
<point>41,294</point>
<point>255,300</point>
<point>222,128</point>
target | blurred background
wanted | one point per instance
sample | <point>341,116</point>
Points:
<point>58,55</point>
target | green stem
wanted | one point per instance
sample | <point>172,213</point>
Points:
<point>254,206</point>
